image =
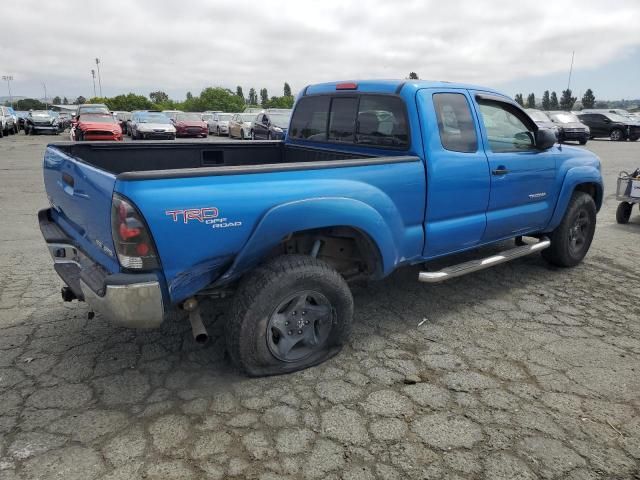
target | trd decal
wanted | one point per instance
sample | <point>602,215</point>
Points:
<point>207,215</point>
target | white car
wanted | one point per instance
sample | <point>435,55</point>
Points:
<point>240,125</point>
<point>151,125</point>
<point>219,123</point>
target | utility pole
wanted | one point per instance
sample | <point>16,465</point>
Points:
<point>93,74</point>
<point>99,79</point>
<point>571,69</point>
<point>8,79</point>
<point>46,104</point>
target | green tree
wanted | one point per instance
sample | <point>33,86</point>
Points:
<point>264,97</point>
<point>531,101</point>
<point>413,76</point>
<point>159,97</point>
<point>566,100</point>
<point>65,101</point>
<point>287,90</point>
<point>56,100</point>
<point>80,100</point>
<point>546,101</point>
<point>588,99</point>
<point>253,97</point>
<point>280,102</point>
<point>189,96</point>
<point>239,92</point>
<point>29,104</point>
<point>519,100</point>
<point>217,98</point>
<point>553,101</point>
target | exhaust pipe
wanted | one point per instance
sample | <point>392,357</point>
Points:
<point>198,329</point>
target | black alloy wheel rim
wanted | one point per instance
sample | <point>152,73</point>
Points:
<point>299,326</point>
<point>578,233</point>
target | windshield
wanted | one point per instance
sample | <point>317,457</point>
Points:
<point>538,116</point>
<point>616,118</point>
<point>207,116</point>
<point>93,109</point>
<point>188,117</point>
<point>93,117</point>
<point>247,117</point>
<point>170,114</point>
<point>154,118</point>
<point>281,120</point>
<point>39,113</point>
<point>225,117</point>
<point>564,118</point>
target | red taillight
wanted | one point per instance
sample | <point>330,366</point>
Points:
<point>347,86</point>
<point>131,237</point>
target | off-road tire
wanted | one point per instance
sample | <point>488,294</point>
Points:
<point>560,252</point>
<point>262,291</point>
<point>623,212</point>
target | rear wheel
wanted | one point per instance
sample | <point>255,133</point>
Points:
<point>289,314</point>
<point>616,135</point>
<point>570,241</point>
<point>623,212</point>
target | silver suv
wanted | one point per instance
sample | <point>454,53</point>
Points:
<point>8,123</point>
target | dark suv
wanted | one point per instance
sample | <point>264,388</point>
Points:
<point>616,127</point>
<point>569,127</point>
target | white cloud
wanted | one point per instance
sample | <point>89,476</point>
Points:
<point>177,46</point>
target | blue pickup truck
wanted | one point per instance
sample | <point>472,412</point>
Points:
<point>373,175</point>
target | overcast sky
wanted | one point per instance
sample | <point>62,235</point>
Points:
<point>180,46</point>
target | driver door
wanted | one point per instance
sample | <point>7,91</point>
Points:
<point>522,195</point>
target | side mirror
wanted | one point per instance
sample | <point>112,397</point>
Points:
<point>545,138</point>
<point>606,120</point>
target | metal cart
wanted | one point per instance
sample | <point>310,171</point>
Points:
<point>627,193</point>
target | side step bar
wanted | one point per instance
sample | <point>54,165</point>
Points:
<point>475,265</point>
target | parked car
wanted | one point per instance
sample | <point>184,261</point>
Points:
<point>13,114</point>
<point>240,125</point>
<point>38,121</point>
<point>97,126</point>
<point>171,114</point>
<point>611,125</point>
<point>8,121</point>
<point>151,125</point>
<point>282,227</point>
<point>219,124</point>
<point>618,111</point>
<point>190,125</point>
<point>542,119</point>
<point>123,118</point>
<point>270,126</point>
<point>570,127</point>
<point>21,116</point>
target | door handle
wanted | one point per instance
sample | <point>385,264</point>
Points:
<point>500,171</point>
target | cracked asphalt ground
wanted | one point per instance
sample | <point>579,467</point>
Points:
<point>522,371</point>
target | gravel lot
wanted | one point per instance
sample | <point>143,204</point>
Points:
<point>522,371</point>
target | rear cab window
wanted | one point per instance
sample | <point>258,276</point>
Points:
<point>365,119</point>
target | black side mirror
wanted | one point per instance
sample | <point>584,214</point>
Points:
<point>545,138</point>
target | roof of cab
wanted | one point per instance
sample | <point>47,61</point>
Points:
<point>390,86</point>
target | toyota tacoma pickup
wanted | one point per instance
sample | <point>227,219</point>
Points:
<point>372,176</point>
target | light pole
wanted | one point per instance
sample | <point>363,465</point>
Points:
<point>93,74</point>
<point>46,104</point>
<point>99,79</point>
<point>8,79</point>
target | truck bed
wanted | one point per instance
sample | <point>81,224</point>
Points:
<point>121,158</point>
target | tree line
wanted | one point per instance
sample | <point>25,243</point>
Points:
<point>566,102</point>
<point>211,98</point>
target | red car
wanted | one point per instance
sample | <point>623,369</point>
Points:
<point>190,125</point>
<point>97,126</point>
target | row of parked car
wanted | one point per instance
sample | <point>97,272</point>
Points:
<point>616,124</point>
<point>33,121</point>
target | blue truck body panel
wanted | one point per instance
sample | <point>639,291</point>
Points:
<point>438,203</point>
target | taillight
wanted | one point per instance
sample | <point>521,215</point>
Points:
<point>131,236</point>
<point>347,86</point>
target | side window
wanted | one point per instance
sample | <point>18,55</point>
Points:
<point>455,123</point>
<point>309,119</point>
<point>382,122</point>
<point>342,121</point>
<point>505,131</point>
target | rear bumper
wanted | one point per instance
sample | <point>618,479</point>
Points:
<point>129,300</point>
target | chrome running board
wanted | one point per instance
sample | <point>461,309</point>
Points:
<point>476,265</point>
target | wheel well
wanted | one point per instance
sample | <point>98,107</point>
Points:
<point>591,189</point>
<point>349,250</point>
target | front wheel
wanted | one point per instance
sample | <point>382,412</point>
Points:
<point>289,314</point>
<point>570,241</point>
<point>583,142</point>
<point>623,212</point>
<point>616,135</point>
